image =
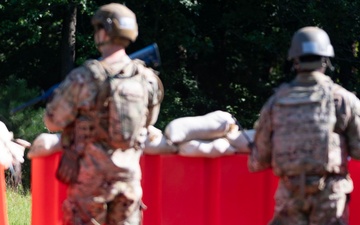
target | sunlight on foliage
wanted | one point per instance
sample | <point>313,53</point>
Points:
<point>356,49</point>
<point>189,3</point>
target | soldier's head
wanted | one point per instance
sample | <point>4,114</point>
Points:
<point>118,22</point>
<point>310,49</point>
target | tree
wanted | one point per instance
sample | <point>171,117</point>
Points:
<point>68,38</point>
<point>216,54</point>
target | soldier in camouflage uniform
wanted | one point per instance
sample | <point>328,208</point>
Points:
<point>314,182</point>
<point>106,188</point>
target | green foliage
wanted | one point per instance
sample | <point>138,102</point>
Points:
<point>31,32</point>
<point>25,124</point>
<point>182,98</point>
<point>216,55</point>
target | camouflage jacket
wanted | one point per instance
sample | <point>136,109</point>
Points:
<point>347,125</point>
<point>74,105</point>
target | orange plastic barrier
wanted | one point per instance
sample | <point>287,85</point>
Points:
<point>3,208</point>
<point>180,190</point>
<point>47,193</point>
<point>354,167</point>
<point>202,191</point>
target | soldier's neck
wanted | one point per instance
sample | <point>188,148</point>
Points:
<point>114,54</point>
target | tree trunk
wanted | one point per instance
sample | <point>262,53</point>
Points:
<point>68,39</point>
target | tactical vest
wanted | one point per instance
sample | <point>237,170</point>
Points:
<point>121,104</point>
<point>303,119</point>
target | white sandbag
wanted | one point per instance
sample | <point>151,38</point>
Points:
<point>11,150</point>
<point>45,144</point>
<point>5,134</point>
<point>6,157</point>
<point>206,148</point>
<point>156,143</point>
<point>207,127</point>
<point>238,140</point>
<point>17,150</point>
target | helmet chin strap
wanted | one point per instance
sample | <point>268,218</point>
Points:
<point>329,65</point>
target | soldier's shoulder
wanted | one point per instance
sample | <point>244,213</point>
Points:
<point>341,91</point>
<point>143,69</point>
<point>85,72</point>
<point>347,98</point>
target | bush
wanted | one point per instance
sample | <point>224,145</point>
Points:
<point>25,124</point>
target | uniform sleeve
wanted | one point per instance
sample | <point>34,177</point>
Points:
<point>260,156</point>
<point>156,95</point>
<point>63,106</point>
<point>351,118</point>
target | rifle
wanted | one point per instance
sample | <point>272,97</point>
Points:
<point>150,55</point>
<point>251,143</point>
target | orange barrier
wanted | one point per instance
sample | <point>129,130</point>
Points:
<point>46,192</point>
<point>180,190</point>
<point>354,167</point>
<point>202,191</point>
<point>3,208</point>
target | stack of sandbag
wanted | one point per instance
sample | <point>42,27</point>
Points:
<point>154,143</point>
<point>210,135</point>
<point>11,150</point>
<point>44,145</point>
<point>157,143</point>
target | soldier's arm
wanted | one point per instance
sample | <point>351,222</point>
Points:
<point>63,107</point>
<point>156,95</point>
<point>52,127</point>
<point>352,131</point>
<point>260,155</point>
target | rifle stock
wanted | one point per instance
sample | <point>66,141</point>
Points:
<point>150,55</point>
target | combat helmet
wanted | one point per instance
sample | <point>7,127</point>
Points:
<point>310,41</point>
<point>118,21</point>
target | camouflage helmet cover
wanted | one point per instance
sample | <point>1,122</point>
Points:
<point>117,20</point>
<point>310,41</point>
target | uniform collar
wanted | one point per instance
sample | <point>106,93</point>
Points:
<point>312,77</point>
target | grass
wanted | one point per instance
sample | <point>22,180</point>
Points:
<point>18,206</point>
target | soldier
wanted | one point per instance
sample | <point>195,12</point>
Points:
<point>101,144</point>
<point>306,132</point>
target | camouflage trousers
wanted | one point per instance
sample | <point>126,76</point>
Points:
<point>328,205</point>
<point>103,194</point>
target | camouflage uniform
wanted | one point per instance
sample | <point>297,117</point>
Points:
<point>312,199</point>
<point>108,187</point>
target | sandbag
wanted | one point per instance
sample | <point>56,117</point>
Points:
<point>45,144</point>
<point>5,134</point>
<point>11,150</point>
<point>238,140</point>
<point>206,148</point>
<point>6,158</point>
<point>206,127</point>
<point>156,143</point>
